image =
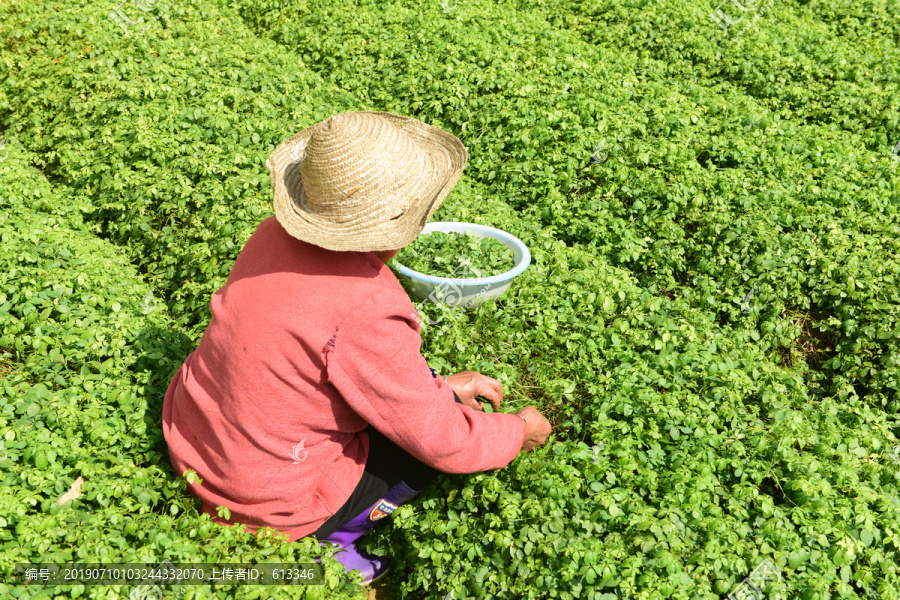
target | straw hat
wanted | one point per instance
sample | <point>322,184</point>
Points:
<point>363,180</point>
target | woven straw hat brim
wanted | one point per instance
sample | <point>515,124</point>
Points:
<point>363,180</point>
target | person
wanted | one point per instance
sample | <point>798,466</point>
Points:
<point>307,406</point>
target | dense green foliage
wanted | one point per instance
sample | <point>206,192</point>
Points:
<point>439,254</point>
<point>162,138</point>
<point>710,319</point>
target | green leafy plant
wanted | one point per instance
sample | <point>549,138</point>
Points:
<point>439,254</point>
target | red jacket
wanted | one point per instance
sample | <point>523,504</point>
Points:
<point>306,347</point>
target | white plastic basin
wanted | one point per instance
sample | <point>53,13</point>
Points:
<point>468,286</point>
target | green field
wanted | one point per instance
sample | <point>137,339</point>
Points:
<point>710,320</point>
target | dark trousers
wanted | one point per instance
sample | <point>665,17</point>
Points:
<point>387,465</point>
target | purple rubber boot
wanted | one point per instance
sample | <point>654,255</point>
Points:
<point>372,568</point>
<point>353,559</point>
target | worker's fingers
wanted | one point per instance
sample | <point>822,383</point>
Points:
<point>472,403</point>
<point>496,385</point>
<point>469,384</point>
<point>490,389</point>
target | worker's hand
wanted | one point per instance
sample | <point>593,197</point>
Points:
<point>536,430</point>
<point>469,384</point>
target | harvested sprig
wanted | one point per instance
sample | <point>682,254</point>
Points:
<point>457,255</point>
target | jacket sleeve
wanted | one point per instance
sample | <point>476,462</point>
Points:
<point>375,363</point>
